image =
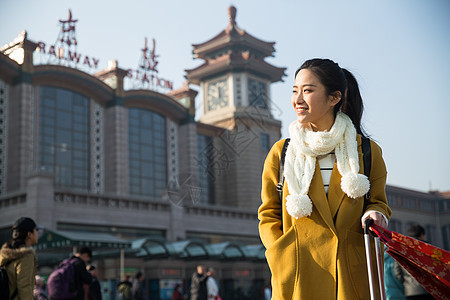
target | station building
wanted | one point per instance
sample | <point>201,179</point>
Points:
<point>133,175</point>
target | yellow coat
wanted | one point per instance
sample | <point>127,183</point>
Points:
<point>320,256</point>
<point>21,271</point>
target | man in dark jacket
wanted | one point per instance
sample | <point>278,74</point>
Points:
<point>412,289</point>
<point>198,284</point>
<point>83,278</point>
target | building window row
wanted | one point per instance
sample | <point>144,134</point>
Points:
<point>413,203</point>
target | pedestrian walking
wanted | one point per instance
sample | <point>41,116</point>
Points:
<point>19,259</point>
<point>124,289</point>
<point>198,284</point>
<point>211,285</point>
<point>412,289</point>
<point>39,292</point>
<point>71,280</point>
<point>138,288</point>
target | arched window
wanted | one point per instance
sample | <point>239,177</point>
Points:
<point>64,137</point>
<point>147,152</point>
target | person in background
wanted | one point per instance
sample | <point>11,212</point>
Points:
<point>211,285</point>
<point>176,295</point>
<point>39,292</point>
<point>83,278</point>
<point>393,287</point>
<point>19,259</point>
<point>412,289</point>
<point>138,288</point>
<point>95,291</point>
<point>124,288</point>
<point>198,284</point>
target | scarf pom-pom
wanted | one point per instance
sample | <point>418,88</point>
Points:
<point>298,206</point>
<point>355,185</point>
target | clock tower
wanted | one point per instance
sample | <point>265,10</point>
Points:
<point>234,75</point>
<point>234,82</point>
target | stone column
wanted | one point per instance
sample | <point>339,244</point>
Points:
<point>116,132</point>
<point>116,150</point>
<point>40,199</point>
<point>20,113</point>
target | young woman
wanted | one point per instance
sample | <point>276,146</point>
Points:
<point>314,235</point>
<point>20,259</point>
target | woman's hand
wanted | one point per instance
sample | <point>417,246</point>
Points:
<point>377,218</point>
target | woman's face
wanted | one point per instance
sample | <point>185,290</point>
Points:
<point>32,237</point>
<point>313,106</point>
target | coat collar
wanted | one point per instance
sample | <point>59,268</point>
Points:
<point>8,254</point>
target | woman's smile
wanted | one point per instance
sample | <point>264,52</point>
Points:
<point>301,110</point>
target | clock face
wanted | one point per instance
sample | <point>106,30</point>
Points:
<point>257,93</point>
<point>217,94</point>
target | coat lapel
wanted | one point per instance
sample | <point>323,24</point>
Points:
<point>319,198</point>
<point>335,193</point>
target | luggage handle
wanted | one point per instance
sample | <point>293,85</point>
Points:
<point>367,224</point>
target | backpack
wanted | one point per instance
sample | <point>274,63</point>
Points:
<point>4,283</point>
<point>367,160</point>
<point>123,291</point>
<point>61,282</point>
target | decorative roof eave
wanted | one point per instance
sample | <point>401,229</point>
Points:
<point>183,91</point>
<point>252,65</point>
<point>226,39</point>
<point>230,36</point>
<point>52,239</point>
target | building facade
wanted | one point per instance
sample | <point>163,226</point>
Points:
<point>133,173</point>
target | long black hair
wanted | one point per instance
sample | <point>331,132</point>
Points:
<point>18,240</point>
<point>20,231</point>
<point>334,78</point>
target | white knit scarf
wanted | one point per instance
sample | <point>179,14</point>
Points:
<point>300,162</point>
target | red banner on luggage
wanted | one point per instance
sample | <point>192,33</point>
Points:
<point>428,264</point>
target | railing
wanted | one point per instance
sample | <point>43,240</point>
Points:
<point>117,202</point>
<point>221,212</point>
<point>109,201</point>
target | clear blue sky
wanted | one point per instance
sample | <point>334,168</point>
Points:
<point>399,50</point>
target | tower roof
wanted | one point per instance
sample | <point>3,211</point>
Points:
<point>234,49</point>
<point>233,36</point>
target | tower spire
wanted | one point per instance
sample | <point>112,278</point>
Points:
<point>232,14</point>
